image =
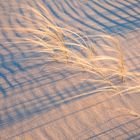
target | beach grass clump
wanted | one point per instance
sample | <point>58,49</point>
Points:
<point>72,47</point>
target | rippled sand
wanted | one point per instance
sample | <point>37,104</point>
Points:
<point>42,100</point>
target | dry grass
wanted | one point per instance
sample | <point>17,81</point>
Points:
<point>71,47</point>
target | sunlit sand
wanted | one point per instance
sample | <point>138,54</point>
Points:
<point>69,70</point>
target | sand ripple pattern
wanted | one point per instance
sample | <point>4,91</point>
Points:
<point>30,86</point>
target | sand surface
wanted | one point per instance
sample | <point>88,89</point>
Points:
<point>40,102</point>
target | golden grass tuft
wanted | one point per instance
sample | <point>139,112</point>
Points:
<point>71,47</point>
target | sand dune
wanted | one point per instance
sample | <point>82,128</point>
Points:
<point>69,69</point>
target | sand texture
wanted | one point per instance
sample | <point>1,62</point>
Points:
<point>54,85</point>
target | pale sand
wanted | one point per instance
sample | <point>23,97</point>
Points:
<point>34,108</point>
